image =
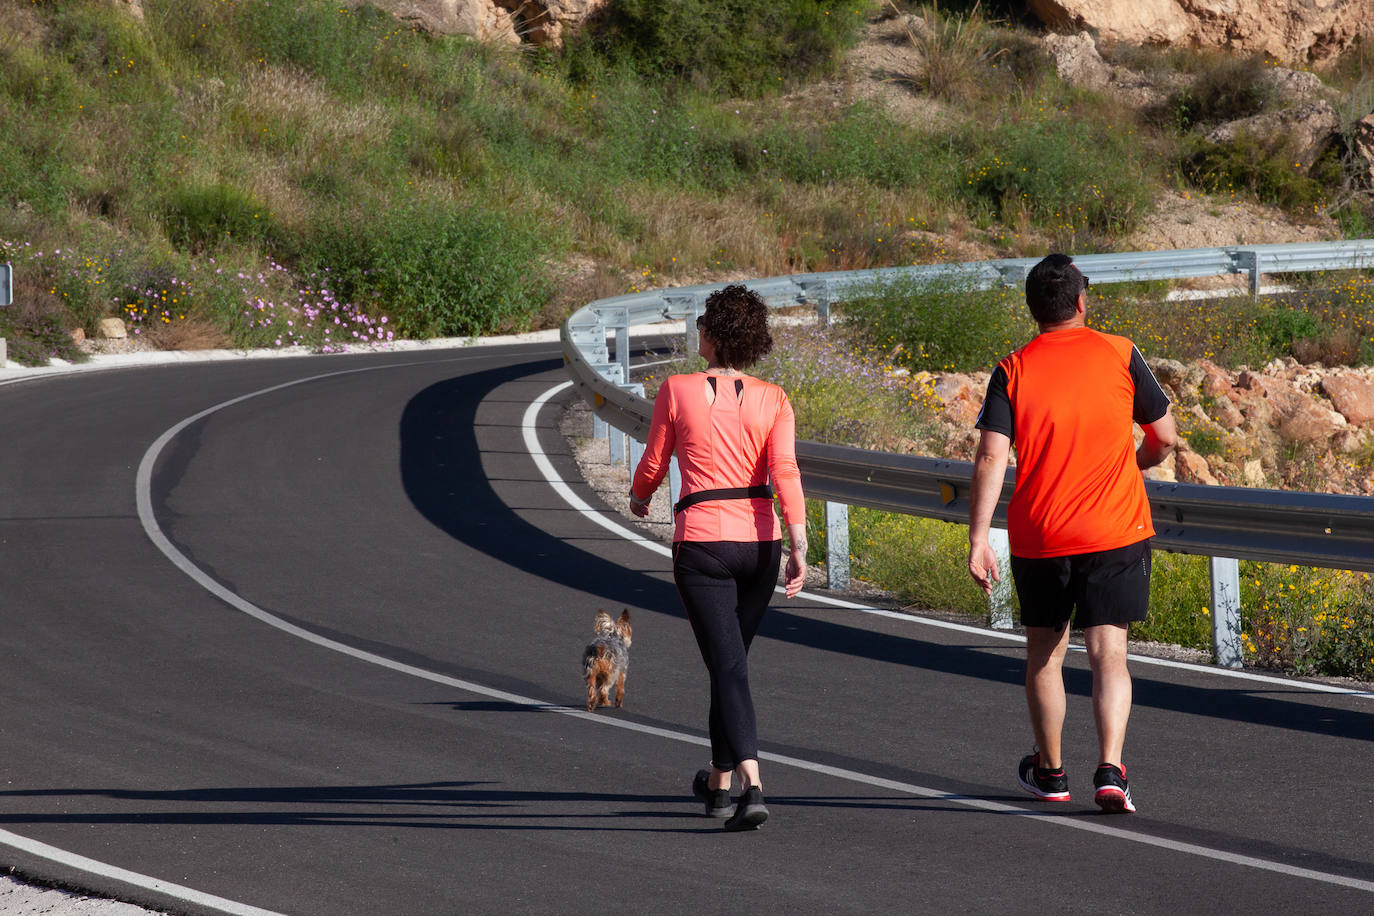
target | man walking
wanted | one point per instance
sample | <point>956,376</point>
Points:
<point>1078,521</point>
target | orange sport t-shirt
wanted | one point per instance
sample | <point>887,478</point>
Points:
<point>1067,401</point>
<point>728,431</point>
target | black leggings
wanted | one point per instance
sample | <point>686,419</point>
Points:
<point>725,587</point>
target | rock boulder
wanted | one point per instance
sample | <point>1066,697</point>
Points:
<point>539,22</point>
<point>1295,31</point>
<point>1352,395</point>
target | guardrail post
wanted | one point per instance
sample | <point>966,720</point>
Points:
<point>1225,611</point>
<point>837,545</point>
<point>689,330</point>
<point>674,482</point>
<point>617,446</point>
<point>818,291</point>
<point>636,447</point>
<point>999,602</point>
<point>1249,261</point>
<point>600,428</point>
<point>688,307</point>
<point>622,341</point>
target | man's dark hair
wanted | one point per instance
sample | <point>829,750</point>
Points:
<point>1052,289</point>
<point>736,320</point>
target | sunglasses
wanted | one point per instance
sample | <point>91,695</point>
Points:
<point>701,322</point>
<point>1085,281</point>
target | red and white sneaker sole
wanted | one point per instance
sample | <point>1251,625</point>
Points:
<point>1041,793</point>
<point>1113,801</point>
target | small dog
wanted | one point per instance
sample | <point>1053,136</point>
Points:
<point>607,659</point>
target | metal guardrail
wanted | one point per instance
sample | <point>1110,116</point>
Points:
<point>1275,526</point>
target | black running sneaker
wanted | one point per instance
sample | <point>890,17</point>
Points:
<point>750,812</point>
<point>1112,793</point>
<point>717,801</point>
<point>1051,785</point>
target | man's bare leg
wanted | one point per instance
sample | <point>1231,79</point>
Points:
<point>1106,646</point>
<point>1045,649</point>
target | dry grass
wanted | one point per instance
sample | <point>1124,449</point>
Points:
<point>187,334</point>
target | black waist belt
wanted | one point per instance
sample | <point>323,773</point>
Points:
<point>762,491</point>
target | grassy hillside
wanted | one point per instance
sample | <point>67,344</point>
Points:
<point>260,173</point>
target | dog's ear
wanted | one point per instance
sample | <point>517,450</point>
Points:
<point>625,616</point>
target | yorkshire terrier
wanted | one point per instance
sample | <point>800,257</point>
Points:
<point>607,659</point>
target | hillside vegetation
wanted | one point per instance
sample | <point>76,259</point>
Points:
<point>261,173</point>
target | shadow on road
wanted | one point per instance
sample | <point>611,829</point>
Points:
<point>439,445</point>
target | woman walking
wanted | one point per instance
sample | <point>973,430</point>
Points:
<point>731,433</point>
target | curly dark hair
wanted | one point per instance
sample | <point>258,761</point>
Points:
<point>736,320</point>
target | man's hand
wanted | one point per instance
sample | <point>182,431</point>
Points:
<point>982,566</point>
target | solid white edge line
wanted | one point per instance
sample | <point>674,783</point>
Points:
<point>529,430</point>
<point>43,850</point>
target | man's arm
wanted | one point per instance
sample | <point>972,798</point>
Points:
<point>989,470</point>
<point>1161,437</point>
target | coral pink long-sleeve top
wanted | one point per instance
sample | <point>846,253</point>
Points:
<point>723,439</point>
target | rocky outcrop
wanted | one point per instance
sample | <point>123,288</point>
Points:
<point>1298,31</point>
<point>1309,129</point>
<point>1285,426</point>
<point>538,22</point>
<point>1363,142</point>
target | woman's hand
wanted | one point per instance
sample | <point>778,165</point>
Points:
<point>638,507</point>
<point>796,570</point>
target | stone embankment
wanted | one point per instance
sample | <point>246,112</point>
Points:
<point>1285,426</point>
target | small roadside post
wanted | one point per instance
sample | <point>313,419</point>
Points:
<point>6,297</point>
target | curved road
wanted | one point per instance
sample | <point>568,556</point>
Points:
<point>348,681</point>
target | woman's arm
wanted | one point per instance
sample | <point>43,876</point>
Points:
<point>658,451</point>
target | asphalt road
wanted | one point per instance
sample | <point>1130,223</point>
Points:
<point>348,682</point>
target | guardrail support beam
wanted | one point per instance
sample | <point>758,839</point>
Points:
<point>674,482</point>
<point>636,447</point>
<point>999,602</point>
<point>837,545</point>
<point>1225,611</point>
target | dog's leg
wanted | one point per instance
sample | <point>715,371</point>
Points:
<point>620,690</point>
<point>591,691</point>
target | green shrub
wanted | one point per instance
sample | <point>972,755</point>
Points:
<point>32,338</point>
<point>1083,180</point>
<point>1282,328</point>
<point>200,217</point>
<point>922,560</point>
<point>1180,599</point>
<point>726,46</point>
<point>1225,89</point>
<point>1262,167</point>
<point>863,144</point>
<point>437,268</point>
<point>941,325</point>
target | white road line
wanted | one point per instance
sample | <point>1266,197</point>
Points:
<point>155,534</point>
<point>52,853</point>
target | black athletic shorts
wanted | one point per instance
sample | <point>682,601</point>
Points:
<point>1106,586</point>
